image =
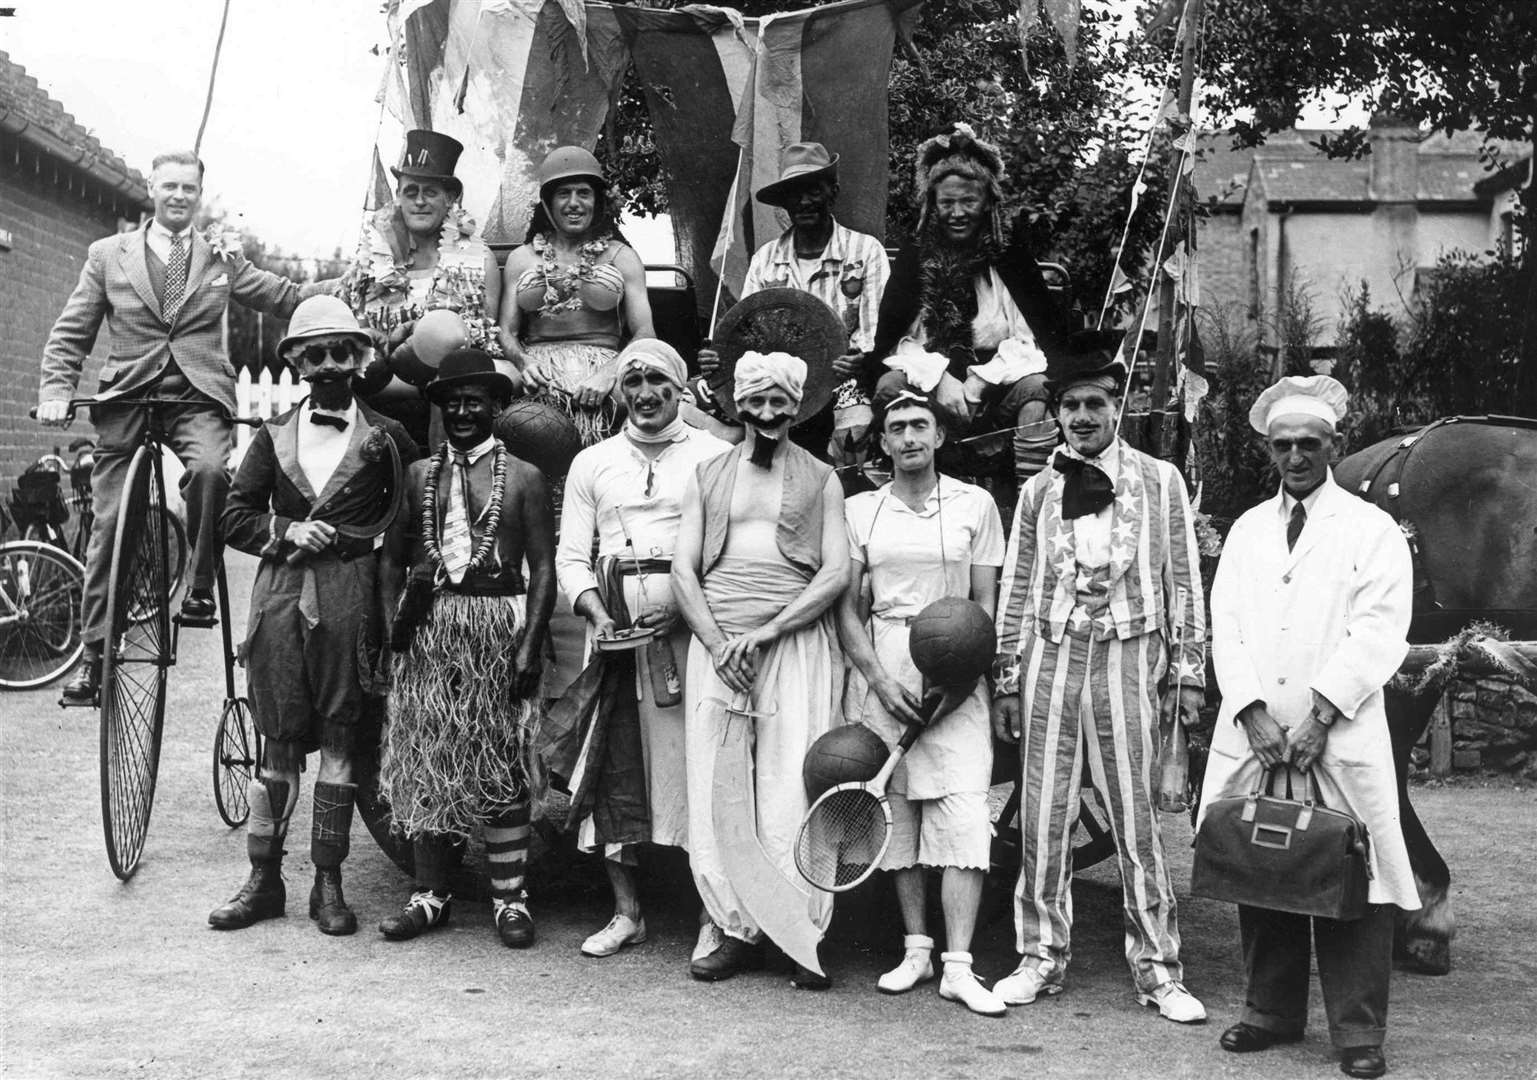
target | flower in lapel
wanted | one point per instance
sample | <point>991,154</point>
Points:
<point>225,242</point>
<point>373,448</point>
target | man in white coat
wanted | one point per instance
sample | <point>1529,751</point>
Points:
<point>1310,609</point>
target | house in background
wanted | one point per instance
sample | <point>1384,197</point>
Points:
<point>60,190</point>
<point>1285,220</point>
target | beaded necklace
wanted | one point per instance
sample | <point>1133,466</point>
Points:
<point>560,282</point>
<point>492,514</point>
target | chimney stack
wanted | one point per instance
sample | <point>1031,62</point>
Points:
<point>1395,159</point>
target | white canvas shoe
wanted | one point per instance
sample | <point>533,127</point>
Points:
<point>710,939</point>
<point>1175,1003</point>
<point>1026,984</point>
<point>961,984</point>
<point>916,966</point>
<point>620,931</point>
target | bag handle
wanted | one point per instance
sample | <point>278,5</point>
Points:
<point>1265,786</point>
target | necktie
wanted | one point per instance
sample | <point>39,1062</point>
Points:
<point>454,543</point>
<point>329,420</point>
<point>175,278</point>
<point>1298,519</point>
<point>1087,490</point>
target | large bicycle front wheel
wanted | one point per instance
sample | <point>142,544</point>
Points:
<point>135,659</point>
<point>40,589</point>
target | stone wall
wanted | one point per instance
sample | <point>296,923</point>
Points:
<point>1494,725</point>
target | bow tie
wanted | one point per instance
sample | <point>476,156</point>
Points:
<point>328,420</point>
<point>1087,489</point>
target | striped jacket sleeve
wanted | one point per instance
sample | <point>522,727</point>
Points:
<point>1185,618</point>
<point>1015,603</point>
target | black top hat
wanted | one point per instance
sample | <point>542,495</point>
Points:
<point>429,155</point>
<point>469,367</point>
<point>1088,354</point>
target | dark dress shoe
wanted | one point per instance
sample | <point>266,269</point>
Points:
<point>85,684</point>
<point>806,979</point>
<point>425,910</point>
<point>514,925</point>
<point>199,609</point>
<point>261,897</point>
<point>733,956</point>
<point>1244,1038</point>
<point>328,907</point>
<point>1363,1061</point>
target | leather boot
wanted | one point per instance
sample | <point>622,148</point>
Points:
<point>733,956</point>
<point>85,684</point>
<point>261,897</point>
<point>330,841</point>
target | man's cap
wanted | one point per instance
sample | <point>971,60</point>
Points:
<point>469,367</point>
<point>429,155</point>
<point>319,316</point>
<point>800,163</point>
<point>1300,395</point>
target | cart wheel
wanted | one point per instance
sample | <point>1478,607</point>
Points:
<point>236,752</point>
<point>134,665</point>
<point>40,589</point>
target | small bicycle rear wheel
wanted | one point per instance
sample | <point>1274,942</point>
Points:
<point>135,660</point>
<point>40,589</point>
<point>236,754</point>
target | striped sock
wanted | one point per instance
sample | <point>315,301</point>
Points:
<point>506,838</point>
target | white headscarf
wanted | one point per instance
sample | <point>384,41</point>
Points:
<point>656,355</point>
<point>756,372</point>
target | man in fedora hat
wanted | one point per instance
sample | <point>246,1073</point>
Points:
<point>464,696</point>
<point>162,291</point>
<point>844,269</point>
<point>316,623</point>
<point>1101,575</point>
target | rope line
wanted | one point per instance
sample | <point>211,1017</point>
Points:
<point>213,72</point>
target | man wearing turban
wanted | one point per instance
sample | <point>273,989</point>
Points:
<point>761,558</point>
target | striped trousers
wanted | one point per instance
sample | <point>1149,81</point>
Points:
<point>1095,702</point>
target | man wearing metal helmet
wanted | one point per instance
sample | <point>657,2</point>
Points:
<point>573,293</point>
<point>312,654</point>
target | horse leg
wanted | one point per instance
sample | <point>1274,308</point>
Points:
<point>1422,940</point>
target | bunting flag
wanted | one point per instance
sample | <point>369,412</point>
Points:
<point>512,79</point>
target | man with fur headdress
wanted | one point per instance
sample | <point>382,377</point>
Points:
<point>966,316</point>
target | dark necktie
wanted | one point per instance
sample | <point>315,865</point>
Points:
<point>1298,519</point>
<point>328,420</point>
<point>1087,489</point>
<point>175,278</point>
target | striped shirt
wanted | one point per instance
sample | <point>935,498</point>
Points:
<point>850,277</point>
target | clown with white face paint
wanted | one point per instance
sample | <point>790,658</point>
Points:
<point>1310,610</point>
<point>628,490</point>
<point>761,558</point>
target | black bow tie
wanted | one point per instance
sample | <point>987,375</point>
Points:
<point>1087,489</point>
<point>328,420</point>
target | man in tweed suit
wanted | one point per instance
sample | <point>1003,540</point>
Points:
<point>162,291</point>
<point>1100,577</point>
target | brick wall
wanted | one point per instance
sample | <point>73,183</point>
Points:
<point>50,230</point>
<point>1224,250</point>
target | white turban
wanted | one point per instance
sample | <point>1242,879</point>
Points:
<point>656,355</point>
<point>1296,395</point>
<point>756,372</point>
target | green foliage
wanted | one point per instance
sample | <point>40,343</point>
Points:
<point>1232,466</point>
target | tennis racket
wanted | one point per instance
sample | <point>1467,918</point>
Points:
<point>846,832</point>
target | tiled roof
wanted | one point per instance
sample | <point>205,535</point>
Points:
<point>1316,179</point>
<point>27,111</point>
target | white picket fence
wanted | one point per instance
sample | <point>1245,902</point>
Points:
<point>263,397</point>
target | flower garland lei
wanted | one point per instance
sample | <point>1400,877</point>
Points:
<point>492,513</point>
<point>560,282</point>
<point>379,270</point>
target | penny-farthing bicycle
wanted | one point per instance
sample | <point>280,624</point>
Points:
<point>139,650</point>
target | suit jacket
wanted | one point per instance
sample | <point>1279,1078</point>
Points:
<point>270,489</point>
<point>1331,615</point>
<point>1153,555</point>
<point>115,287</point>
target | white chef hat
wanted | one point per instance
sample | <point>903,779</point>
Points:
<point>1300,395</point>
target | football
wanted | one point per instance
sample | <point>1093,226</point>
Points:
<point>849,754</point>
<point>540,434</point>
<point>438,333</point>
<point>952,641</point>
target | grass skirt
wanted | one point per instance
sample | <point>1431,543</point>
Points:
<point>568,364</point>
<point>458,747</point>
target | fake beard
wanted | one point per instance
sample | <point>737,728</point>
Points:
<point>329,392</point>
<point>766,438</point>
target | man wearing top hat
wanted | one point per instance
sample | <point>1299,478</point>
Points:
<point>468,629</point>
<point>316,623</point>
<point>1310,611</point>
<point>162,292</point>
<point>844,269</point>
<point>1100,614</point>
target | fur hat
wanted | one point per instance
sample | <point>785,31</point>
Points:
<point>958,152</point>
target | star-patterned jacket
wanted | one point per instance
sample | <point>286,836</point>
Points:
<point>1154,561</point>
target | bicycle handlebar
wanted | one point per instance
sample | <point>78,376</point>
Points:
<point>156,403</point>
